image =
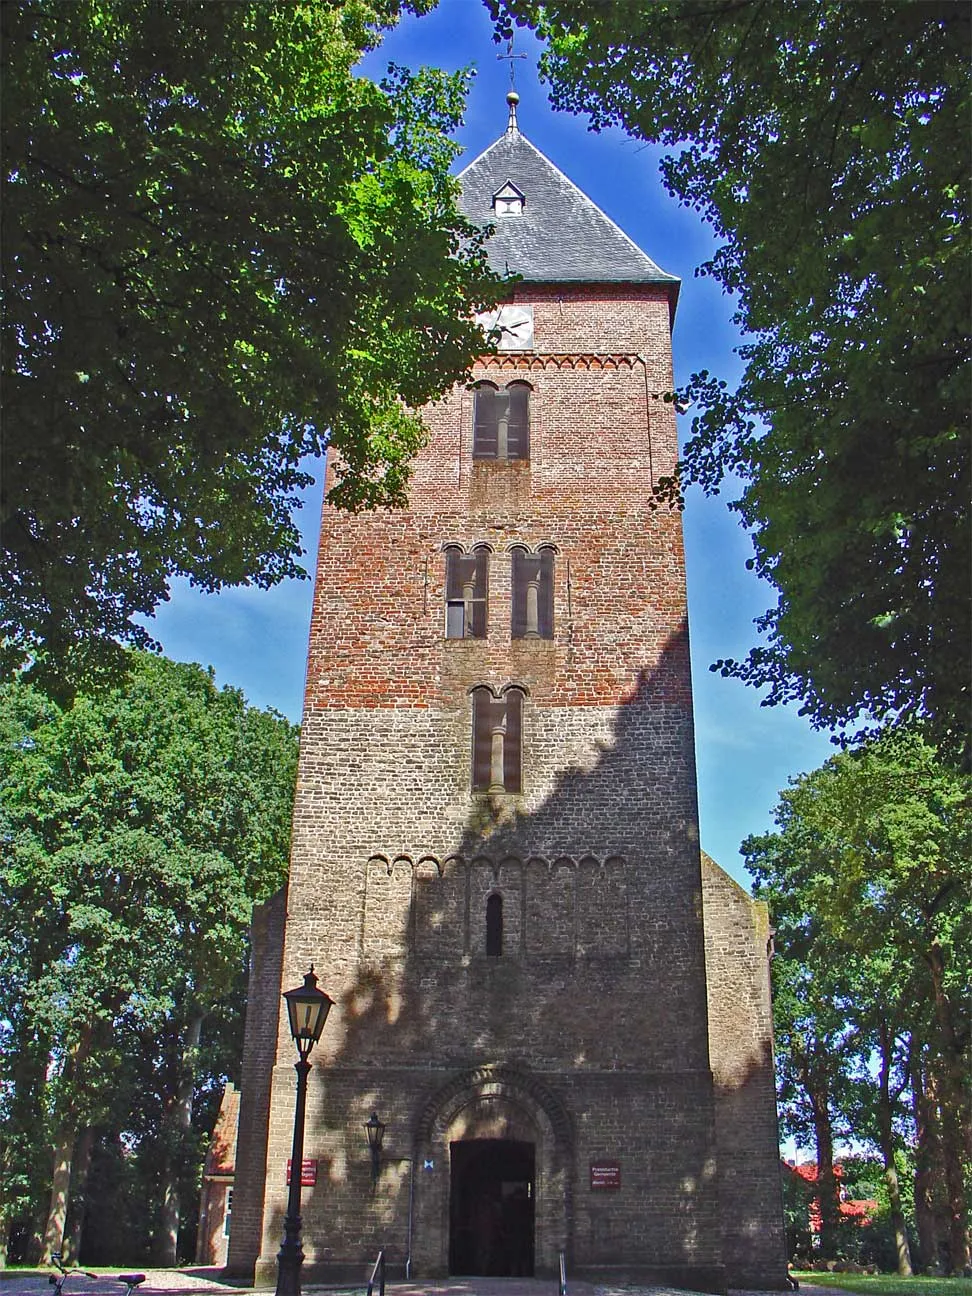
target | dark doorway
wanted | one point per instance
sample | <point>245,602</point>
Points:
<point>491,1208</point>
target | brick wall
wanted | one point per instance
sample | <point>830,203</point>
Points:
<point>259,1050</point>
<point>588,1036</point>
<point>737,936</point>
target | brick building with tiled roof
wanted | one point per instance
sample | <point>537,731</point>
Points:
<point>219,1175</point>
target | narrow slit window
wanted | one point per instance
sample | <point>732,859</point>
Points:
<point>532,609</point>
<point>501,421</point>
<point>497,743</point>
<point>494,925</point>
<point>467,581</point>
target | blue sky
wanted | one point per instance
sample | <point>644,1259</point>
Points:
<point>257,640</point>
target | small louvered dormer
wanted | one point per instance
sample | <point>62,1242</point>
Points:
<point>508,201</point>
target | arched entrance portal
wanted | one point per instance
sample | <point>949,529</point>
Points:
<point>480,1140</point>
<point>491,1207</point>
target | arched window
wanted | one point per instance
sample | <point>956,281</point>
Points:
<point>501,421</point>
<point>533,602</point>
<point>467,579</point>
<point>494,925</point>
<point>497,726</point>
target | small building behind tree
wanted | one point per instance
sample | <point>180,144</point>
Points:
<point>219,1172</point>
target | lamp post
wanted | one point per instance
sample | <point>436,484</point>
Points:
<point>375,1130</point>
<point>307,1009</point>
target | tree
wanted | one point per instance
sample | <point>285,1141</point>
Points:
<point>139,825</point>
<point>825,142</point>
<point>870,883</point>
<point>222,251</point>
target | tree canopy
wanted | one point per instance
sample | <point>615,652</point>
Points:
<point>139,826</point>
<point>827,145</point>
<point>869,881</point>
<point>222,251</point>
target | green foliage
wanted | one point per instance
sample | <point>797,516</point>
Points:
<point>827,145</point>
<point>862,1179</point>
<point>869,880</point>
<point>222,251</point>
<point>874,856</point>
<point>139,827</point>
<point>797,1198</point>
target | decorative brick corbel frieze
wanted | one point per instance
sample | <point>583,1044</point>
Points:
<point>558,360</point>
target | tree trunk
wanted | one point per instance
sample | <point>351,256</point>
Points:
<point>79,1179</point>
<point>886,1137</point>
<point>67,1137</point>
<point>60,1189</point>
<point>818,1090</point>
<point>958,1234</point>
<point>955,1117</point>
<point>927,1157</point>
<point>179,1122</point>
<point>23,1174</point>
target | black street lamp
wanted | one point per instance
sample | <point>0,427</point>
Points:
<point>375,1130</point>
<point>307,1009</point>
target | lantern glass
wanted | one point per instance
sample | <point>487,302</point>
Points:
<point>307,1009</point>
<point>375,1129</point>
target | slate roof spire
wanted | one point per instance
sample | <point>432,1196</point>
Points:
<point>546,229</point>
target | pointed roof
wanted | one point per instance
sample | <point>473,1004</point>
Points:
<point>556,234</point>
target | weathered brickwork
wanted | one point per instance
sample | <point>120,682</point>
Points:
<point>587,1038</point>
<point>737,952</point>
<point>259,1052</point>
<point>598,438</point>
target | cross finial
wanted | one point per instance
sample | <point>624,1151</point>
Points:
<point>512,98</point>
<point>512,58</point>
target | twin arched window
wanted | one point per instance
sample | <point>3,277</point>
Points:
<point>467,592</point>
<point>501,421</point>
<point>497,732</point>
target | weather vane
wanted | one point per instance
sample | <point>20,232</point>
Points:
<point>511,56</point>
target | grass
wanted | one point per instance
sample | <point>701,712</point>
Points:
<point>886,1284</point>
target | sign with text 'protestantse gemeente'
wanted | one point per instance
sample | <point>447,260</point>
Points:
<point>605,1176</point>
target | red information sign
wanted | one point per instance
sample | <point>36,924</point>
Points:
<point>308,1173</point>
<point>605,1176</point>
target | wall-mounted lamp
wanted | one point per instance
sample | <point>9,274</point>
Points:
<point>375,1129</point>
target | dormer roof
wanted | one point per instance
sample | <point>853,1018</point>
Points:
<point>557,235</point>
<point>507,200</point>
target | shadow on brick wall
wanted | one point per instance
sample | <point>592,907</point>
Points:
<point>578,1018</point>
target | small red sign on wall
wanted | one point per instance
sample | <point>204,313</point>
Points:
<point>605,1176</point>
<point>308,1173</point>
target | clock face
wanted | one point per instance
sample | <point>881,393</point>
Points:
<point>511,327</point>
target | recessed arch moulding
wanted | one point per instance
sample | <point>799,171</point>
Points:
<point>492,1103</point>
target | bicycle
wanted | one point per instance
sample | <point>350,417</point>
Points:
<point>131,1280</point>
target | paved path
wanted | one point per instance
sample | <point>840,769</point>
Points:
<point>206,1282</point>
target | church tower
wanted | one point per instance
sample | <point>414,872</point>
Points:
<point>496,869</point>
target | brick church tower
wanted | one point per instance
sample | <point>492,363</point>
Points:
<point>559,1010</point>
